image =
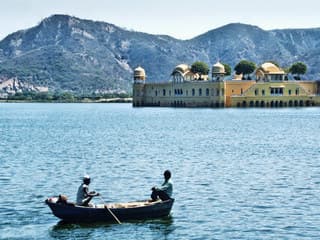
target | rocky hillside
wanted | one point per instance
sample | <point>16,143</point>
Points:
<point>67,53</point>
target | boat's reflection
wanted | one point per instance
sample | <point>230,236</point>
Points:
<point>162,227</point>
<point>152,223</point>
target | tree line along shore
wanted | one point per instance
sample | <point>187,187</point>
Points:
<point>67,97</point>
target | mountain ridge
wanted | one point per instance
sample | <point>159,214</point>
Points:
<point>67,53</point>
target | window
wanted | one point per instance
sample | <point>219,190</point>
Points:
<point>276,91</point>
<point>256,92</point>
<point>200,92</point>
<point>218,92</point>
<point>289,91</point>
<point>156,93</point>
<point>163,92</point>
<point>178,91</point>
<point>193,92</point>
<point>297,91</point>
<point>207,92</point>
<point>263,92</point>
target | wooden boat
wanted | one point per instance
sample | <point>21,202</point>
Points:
<point>70,212</point>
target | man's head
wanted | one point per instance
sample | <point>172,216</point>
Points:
<point>86,179</point>
<point>167,174</point>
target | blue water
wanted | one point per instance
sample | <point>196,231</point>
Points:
<point>237,173</point>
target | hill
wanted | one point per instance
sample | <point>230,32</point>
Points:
<point>68,53</point>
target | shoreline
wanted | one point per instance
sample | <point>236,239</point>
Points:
<point>85,100</point>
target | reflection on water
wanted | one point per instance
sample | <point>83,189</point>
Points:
<point>62,225</point>
<point>162,227</point>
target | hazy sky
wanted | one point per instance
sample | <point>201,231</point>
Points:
<point>180,19</point>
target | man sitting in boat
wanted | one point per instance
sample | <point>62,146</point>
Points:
<point>83,195</point>
<point>164,192</point>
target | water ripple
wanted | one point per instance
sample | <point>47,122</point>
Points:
<point>238,173</point>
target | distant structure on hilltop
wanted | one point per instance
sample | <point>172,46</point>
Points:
<point>270,88</point>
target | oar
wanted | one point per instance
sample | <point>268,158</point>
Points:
<point>114,216</point>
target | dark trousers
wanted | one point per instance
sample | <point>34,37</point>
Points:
<point>161,194</point>
<point>85,202</point>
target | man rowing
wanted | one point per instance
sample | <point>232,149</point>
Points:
<point>83,195</point>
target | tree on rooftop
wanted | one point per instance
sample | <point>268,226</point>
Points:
<point>245,67</point>
<point>298,68</point>
<point>201,68</point>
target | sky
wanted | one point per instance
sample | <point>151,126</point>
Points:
<point>179,19</point>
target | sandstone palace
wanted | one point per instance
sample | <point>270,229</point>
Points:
<point>269,88</point>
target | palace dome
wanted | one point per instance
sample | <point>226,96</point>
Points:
<point>271,68</point>
<point>218,68</point>
<point>139,72</point>
<point>182,68</point>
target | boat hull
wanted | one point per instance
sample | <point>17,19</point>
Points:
<point>74,213</point>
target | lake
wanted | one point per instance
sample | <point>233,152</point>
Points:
<point>237,173</point>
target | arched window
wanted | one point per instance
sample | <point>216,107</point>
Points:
<point>244,104</point>
<point>301,103</point>
<point>290,103</point>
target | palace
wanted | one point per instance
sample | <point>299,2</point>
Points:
<point>270,88</point>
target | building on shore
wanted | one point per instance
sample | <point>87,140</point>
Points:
<point>270,88</point>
